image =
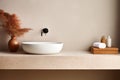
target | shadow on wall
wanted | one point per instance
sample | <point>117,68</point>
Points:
<point>3,40</point>
<point>118,24</point>
<point>59,75</point>
<point>115,75</point>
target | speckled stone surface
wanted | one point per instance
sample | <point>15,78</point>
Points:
<point>64,60</point>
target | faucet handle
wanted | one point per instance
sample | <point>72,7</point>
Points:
<point>44,31</point>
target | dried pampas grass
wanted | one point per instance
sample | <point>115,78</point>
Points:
<point>11,24</point>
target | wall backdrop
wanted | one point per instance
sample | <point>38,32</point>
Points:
<point>77,23</point>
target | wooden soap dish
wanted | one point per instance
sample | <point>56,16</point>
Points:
<point>112,50</point>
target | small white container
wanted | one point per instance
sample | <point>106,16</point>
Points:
<point>109,41</point>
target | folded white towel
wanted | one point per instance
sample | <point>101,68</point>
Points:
<point>99,45</point>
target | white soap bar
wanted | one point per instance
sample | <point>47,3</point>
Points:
<point>99,45</point>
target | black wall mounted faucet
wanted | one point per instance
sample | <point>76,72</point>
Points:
<point>44,31</point>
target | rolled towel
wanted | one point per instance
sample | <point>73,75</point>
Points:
<point>99,45</point>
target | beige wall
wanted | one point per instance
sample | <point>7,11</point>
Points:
<point>77,23</point>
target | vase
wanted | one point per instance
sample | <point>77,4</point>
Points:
<point>13,44</point>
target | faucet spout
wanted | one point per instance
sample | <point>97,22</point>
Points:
<point>44,31</point>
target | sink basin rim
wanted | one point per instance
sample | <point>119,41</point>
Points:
<point>42,47</point>
<point>42,43</point>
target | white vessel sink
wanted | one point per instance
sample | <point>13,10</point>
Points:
<point>42,47</point>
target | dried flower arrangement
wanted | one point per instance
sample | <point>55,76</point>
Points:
<point>11,24</point>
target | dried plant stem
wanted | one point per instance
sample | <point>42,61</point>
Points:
<point>11,24</point>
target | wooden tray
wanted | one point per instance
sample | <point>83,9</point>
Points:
<point>112,50</point>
